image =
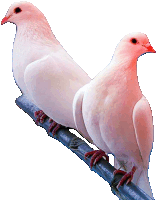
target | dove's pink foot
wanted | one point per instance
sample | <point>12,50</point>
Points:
<point>40,115</point>
<point>54,127</point>
<point>96,156</point>
<point>127,176</point>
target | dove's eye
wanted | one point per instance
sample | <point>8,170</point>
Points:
<point>134,41</point>
<point>17,10</point>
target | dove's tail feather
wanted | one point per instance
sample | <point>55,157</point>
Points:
<point>143,183</point>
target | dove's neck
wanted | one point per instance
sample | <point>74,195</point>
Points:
<point>36,32</point>
<point>120,74</point>
<point>125,67</point>
<point>124,60</point>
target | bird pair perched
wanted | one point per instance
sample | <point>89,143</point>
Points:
<point>109,111</point>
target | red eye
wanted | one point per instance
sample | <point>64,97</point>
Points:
<point>134,41</point>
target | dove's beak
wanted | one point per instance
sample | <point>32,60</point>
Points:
<point>150,48</point>
<point>4,20</point>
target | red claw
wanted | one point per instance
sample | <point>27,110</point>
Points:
<point>127,176</point>
<point>96,156</point>
<point>41,116</point>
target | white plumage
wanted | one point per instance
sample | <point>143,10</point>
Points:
<point>42,69</point>
<point>115,113</point>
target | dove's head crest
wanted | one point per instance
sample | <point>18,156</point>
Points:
<point>21,12</point>
<point>134,45</point>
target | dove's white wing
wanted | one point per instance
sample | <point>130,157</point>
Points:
<point>142,120</point>
<point>77,113</point>
<point>53,82</point>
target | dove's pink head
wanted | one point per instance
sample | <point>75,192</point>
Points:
<point>21,12</point>
<point>134,45</point>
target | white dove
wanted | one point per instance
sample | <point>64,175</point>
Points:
<point>42,69</point>
<point>115,113</point>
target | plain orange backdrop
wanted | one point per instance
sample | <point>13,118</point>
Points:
<point>33,165</point>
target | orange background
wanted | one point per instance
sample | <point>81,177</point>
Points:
<point>33,165</point>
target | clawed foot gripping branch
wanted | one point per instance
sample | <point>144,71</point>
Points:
<point>103,168</point>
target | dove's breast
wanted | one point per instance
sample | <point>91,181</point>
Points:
<point>24,53</point>
<point>108,111</point>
